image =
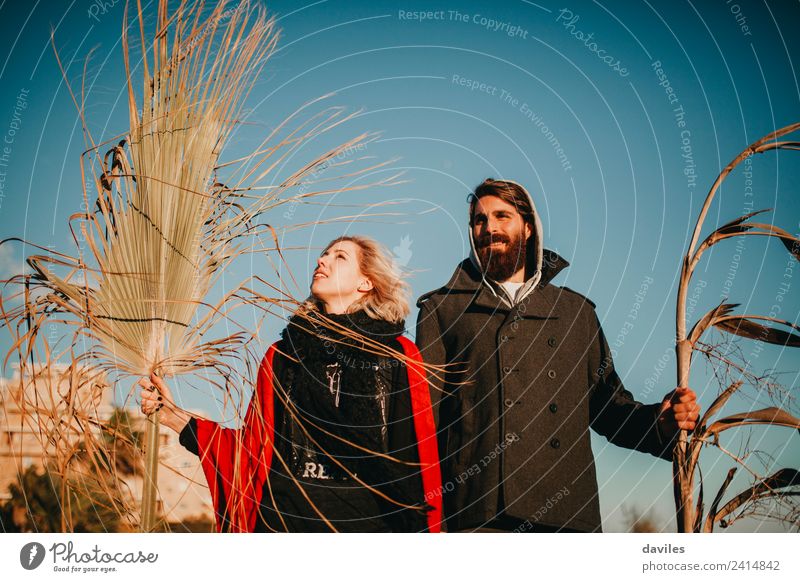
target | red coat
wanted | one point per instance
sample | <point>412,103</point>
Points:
<point>236,462</point>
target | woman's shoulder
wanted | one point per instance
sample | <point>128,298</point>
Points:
<point>408,351</point>
<point>405,349</point>
<point>408,347</point>
<point>278,356</point>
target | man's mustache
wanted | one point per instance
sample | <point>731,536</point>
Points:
<point>486,240</point>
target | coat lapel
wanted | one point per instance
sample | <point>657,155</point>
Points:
<point>538,303</point>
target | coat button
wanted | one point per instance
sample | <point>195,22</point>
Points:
<point>551,374</point>
<point>511,437</point>
<point>508,402</point>
<point>555,443</point>
<point>551,341</point>
<point>504,338</point>
<point>506,369</point>
<point>553,407</point>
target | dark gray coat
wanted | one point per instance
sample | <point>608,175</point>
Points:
<point>524,383</point>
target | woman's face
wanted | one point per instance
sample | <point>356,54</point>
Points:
<point>338,281</point>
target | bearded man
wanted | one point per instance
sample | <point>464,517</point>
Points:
<point>527,371</point>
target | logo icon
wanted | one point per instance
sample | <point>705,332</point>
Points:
<point>31,555</point>
<point>402,252</point>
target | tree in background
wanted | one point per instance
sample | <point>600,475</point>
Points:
<point>638,521</point>
<point>124,444</point>
<point>37,505</point>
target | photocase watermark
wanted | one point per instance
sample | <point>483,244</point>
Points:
<point>31,555</point>
<point>490,24</point>
<point>536,119</point>
<point>421,15</point>
<point>343,154</point>
<point>665,83</point>
<point>474,85</point>
<point>10,136</point>
<point>67,559</point>
<point>733,268</point>
<point>568,20</point>
<point>348,359</point>
<point>689,168</point>
<point>627,326</point>
<point>777,306</point>
<point>633,314</point>
<point>210,27</point>
<point>82,233</point>
<point>486,22</point>
<point>475,468</point>
<point>741,19</point>
<point>551,502</point>
<point>100,8</point>
<point>52,328</point>
<point>402,253</point>
<point>66,554</point>
<point>507,98</point>
<point>691,301</point>
<point>652,381</point>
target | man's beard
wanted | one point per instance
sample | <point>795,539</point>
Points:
<point>501,264</point>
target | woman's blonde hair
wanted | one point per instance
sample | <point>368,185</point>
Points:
<point>388,299</point>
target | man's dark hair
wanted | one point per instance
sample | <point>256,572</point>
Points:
<point>508,192</point>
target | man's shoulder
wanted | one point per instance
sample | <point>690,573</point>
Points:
<point>444,301</point>
<point>570,296</point>
<point>445,297</point>
<point>425,297</point>
<point>465,281</point>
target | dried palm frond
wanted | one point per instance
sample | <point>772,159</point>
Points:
<point>167,215</point>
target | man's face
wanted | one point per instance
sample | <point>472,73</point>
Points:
<point>500,234</point>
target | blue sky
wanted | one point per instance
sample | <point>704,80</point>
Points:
<point>617,116</point>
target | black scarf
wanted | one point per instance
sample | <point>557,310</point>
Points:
<point>349,398</point>
<point>355,416</point>
<point>308,333</point>
<point>339,398</point>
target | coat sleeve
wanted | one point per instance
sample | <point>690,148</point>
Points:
<point>432,350</point>
<point>236,462</point>
<point>613,411</point>
<point>188,437</point>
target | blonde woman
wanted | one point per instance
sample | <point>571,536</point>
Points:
<point>339,434</point>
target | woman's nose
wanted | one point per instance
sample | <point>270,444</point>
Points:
<point>320,262</point>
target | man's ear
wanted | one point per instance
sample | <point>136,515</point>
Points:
<point>365,286</point>
<point>528,230</point>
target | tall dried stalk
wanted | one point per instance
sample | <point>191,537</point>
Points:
<point>685,462</point>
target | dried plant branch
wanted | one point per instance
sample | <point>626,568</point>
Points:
<point>686,456</point>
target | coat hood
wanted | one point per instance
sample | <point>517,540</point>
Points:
<point>534,260</point>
